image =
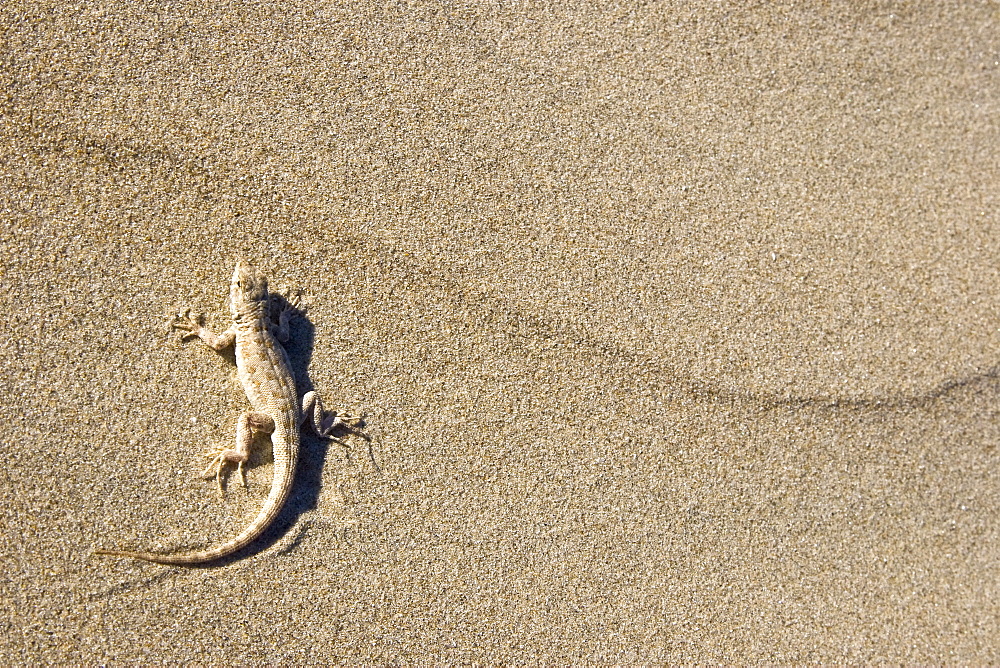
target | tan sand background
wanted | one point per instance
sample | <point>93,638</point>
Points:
<point>675,325</point>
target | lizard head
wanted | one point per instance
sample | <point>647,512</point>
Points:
<point>248,292</point>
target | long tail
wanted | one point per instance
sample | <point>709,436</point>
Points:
<point>272,506</point>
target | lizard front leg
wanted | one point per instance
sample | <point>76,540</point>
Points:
<point>281,308</point>
<point>194,325</point>
<point>247,425</point>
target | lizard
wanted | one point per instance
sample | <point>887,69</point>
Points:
<point>263,370</point>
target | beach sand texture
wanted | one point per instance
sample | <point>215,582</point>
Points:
<point>675,325</point>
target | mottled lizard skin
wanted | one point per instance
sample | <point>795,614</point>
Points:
<point>263,370</point>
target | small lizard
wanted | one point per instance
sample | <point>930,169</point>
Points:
<point>263,370</point>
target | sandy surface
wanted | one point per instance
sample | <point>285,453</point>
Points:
<point>676,328</point>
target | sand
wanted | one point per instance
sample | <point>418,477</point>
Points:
<point>675,328</point>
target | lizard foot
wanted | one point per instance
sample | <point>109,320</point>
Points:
<point>220,458</point>
<point>281,308</point>
<point>325,422</point>
<point>288,299</point>
<point>189,323</point>
<point>331,421</point>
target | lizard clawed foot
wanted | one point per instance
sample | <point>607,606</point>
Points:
<point>281,308</point>
<point>286,303</point>
<point>219,459</point>
<point>293,300</point>
<point>325,422</point>
<point>349,423</point>
<point>189,324</point>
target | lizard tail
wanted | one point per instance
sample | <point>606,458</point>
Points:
<point>272,506</point>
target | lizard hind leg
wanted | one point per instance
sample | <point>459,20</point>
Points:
<point>324,422</point>
<point>247,425</point>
